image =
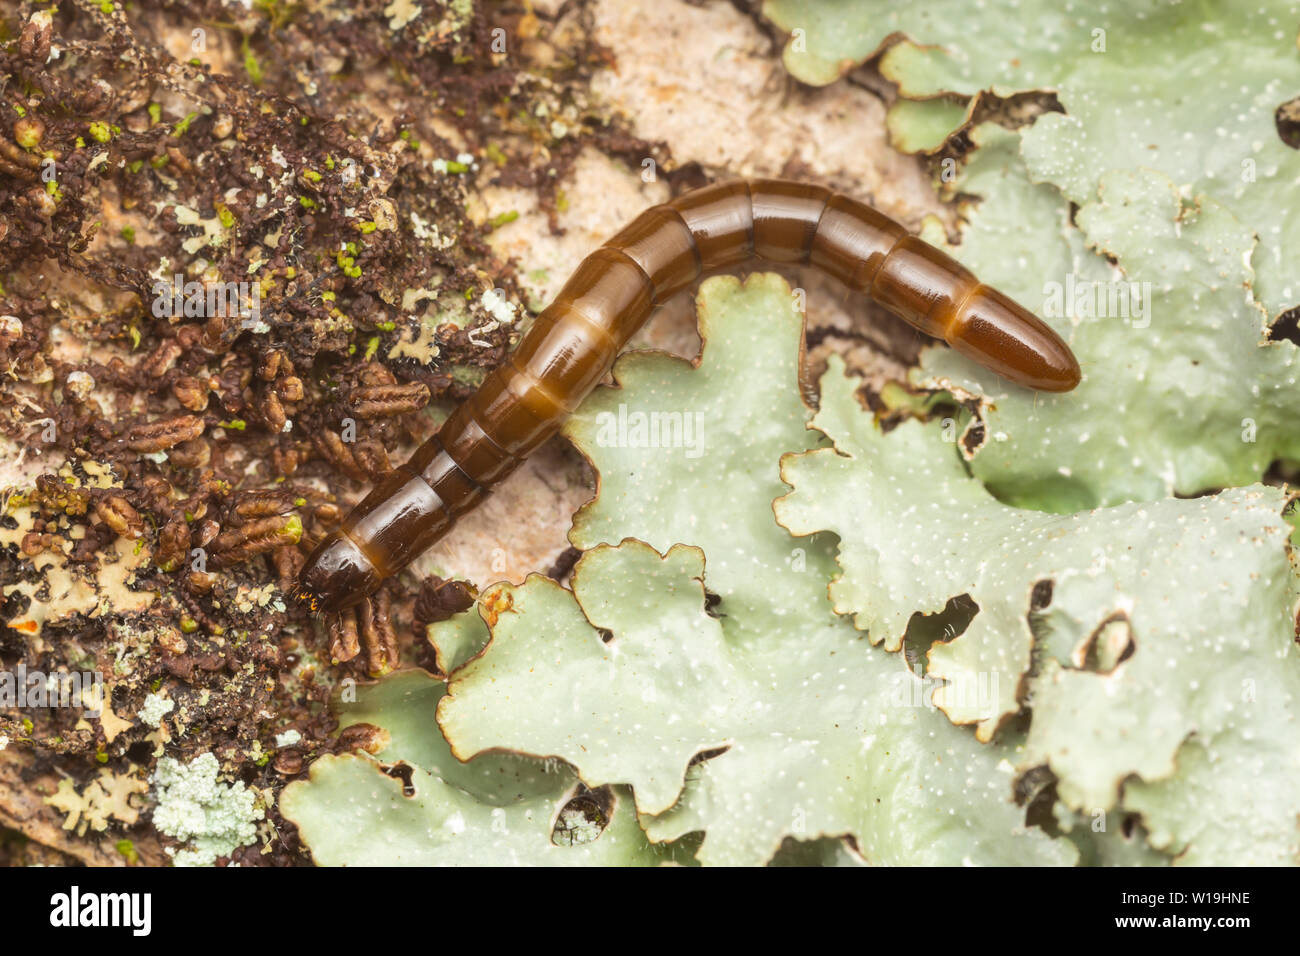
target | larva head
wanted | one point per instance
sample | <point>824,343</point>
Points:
<point>337,575</point>
<point>1006,337</point>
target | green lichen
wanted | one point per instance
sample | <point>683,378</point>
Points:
<point>214,818</point>
<point>1185,398</point>
<point>498,808</point>
<point>154,709</point>
<point>1241,64</point>
<point>1186,191</point>
<point>1129,591</point>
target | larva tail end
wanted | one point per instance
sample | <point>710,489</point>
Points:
<point>337,575</point>
<point>1006,337</point>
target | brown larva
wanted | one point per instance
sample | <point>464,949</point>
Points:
<point>574,342</point>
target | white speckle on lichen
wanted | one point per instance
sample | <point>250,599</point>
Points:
<point>288,738</point>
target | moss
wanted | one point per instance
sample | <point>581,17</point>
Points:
<point>251,64</point>
<point>181,128</point>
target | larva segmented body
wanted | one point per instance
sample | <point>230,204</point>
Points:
<point>575,340</point>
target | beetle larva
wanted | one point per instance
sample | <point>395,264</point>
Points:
<point>575,340</point>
